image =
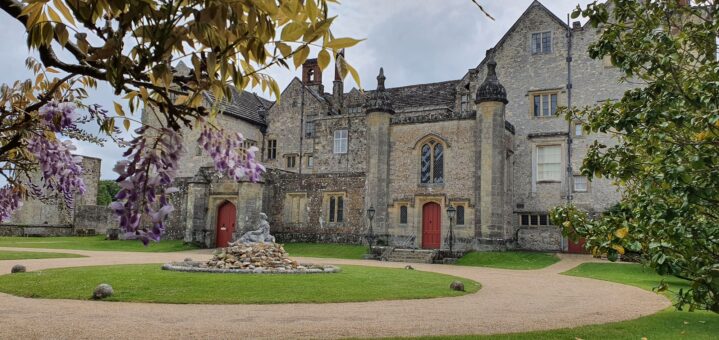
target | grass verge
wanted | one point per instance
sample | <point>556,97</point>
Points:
<point>148,283</point>
<point>93,243</point>
<point>29,255</point>
<point>508,260</point>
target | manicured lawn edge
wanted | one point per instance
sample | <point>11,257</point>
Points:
<point>148,283</point>
<point>7,255</point>
<point>93,243</point>
<point>517,260</point>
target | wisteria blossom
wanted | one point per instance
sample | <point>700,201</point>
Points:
<point>9,202</point>
<point>58,116</point>
<point>145,179</point>
<point>228,155</point>
<point>61,170</point>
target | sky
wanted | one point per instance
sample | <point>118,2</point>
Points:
<point>416,41</point>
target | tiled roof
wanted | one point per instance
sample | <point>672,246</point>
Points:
<point>244,105</point>
<point>423,95</point>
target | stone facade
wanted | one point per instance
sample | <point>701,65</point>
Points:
<point>486,144</point>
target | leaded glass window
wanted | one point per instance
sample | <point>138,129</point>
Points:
<point>403,214</point>
<point>432,163</point>
<point>332,208</point>
<point>460,215</point>
<point>426,163</point>
<point>336,209</point>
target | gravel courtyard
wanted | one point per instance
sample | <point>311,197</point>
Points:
<point>509,301</point>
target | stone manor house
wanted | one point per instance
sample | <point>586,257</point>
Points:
<point>489,146</point>
<point>486,143</point>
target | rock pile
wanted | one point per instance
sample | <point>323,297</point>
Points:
<point>250,258</point>
<point>268,256</point>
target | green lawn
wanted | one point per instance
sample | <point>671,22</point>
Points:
<point>337,251</point>
<point>508,260</point>
<point>28,255</point>
<point>148,283</point>
<point>92,243</point>
<point>668,324</point>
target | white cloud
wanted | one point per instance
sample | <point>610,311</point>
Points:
<point>416,41</point>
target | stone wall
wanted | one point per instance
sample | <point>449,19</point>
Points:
<point>315,221</point>
<point>96,217</point>
<point>539,239</point>
<point>10,229</point>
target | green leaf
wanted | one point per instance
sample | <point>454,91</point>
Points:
<point>340,43</point>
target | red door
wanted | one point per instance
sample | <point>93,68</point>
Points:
<point>226,215</point>
<point>431,226</point>
<point>576,248</point>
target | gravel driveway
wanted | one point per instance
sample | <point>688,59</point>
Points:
<point>509,301</point>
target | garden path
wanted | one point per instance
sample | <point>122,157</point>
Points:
<point>509,301</point>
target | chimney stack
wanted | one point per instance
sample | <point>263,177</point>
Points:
<point>338,86</point>
<point>312,75</point>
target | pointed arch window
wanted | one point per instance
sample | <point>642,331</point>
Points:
<point>432,163</point>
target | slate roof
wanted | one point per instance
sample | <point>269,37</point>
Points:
<point>244,105</point>
<point>423,95</point>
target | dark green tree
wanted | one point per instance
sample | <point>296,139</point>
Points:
<point>667,155</point>
<point>106,191</point>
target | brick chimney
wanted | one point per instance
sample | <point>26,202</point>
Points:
<point>312,75</point>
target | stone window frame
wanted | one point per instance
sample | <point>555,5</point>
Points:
<point>541,36</point>
<point>574,184</point>
<point>535,160</point>
<point>338,214</point>
<point>272,149</point>
<point>464,99</point>
<point>418,145</point>
<point>532,219</point>
<point>548,99</point>
<point>302,213</point>
<point>339,139</point>
<point>290,160</point>
<point>403,214</point>
<point>575,125</point>
<point>309,160</point>
<point>310,129</point>
<point>465,205</point>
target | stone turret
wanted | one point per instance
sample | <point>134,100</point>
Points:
<point>490,149</point>
<point>379,110</point>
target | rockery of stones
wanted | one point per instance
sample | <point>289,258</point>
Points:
<point>250,258</point>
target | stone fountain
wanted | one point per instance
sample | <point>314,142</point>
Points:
<point>255,252</point>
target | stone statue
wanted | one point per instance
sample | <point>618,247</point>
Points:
<point>260,235</point>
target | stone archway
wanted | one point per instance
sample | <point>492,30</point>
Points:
<point>226,217</point>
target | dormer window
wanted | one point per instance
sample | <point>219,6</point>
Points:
<point>542,43</point>
<point>464,103</point>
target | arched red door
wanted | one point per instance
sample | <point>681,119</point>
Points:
<point>226,216</point>
<point>431,226</point>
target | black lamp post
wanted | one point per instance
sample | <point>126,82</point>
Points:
<point>370,234</point>
<point>451,211</point>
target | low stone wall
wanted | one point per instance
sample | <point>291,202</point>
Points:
<point>35,230</point>
<point>540,239</point>
<point>97,217</point>
<point>311,237</point>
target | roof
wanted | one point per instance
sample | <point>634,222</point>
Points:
<point>244,105</point>
<point>421,95</point>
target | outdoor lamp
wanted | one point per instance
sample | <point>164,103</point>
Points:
<point>370,213</point>
<point>451,211</point>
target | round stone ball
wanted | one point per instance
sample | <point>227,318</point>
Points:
<point>18,268</point>
<point>457,285</point>
<point>102,291</point>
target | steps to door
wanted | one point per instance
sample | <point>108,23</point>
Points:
<point>411,255</point>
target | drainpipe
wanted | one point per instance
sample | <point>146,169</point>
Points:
<point>570,173</point>
<point>302,127</point>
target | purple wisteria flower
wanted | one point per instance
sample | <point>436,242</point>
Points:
<point>61,170</point>
<point>145,180</point>
<point>58,116</point>
<point>9,202</point>
<point>228,155</point>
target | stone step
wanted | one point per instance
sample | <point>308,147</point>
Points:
<point>411,255</point>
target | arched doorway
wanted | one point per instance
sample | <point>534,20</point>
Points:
<point>431,226</point>
<point>226,216</point>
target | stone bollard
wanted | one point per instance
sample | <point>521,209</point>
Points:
<point>102,291</point>
<point>457,285</point>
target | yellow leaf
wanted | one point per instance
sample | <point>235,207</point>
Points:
<point>126,123</point>
<point>354,74</point>
<point>300,56</point>
<point>52,70</point>
<point>323,59</point>
<point>618,248</point>
<point>292,31</point>
<point>621,233</point>
<point>65,12</point>
<point>53,15</point>
<point>341,43</point>
<point>285,49</point>
<point>118,109</point>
